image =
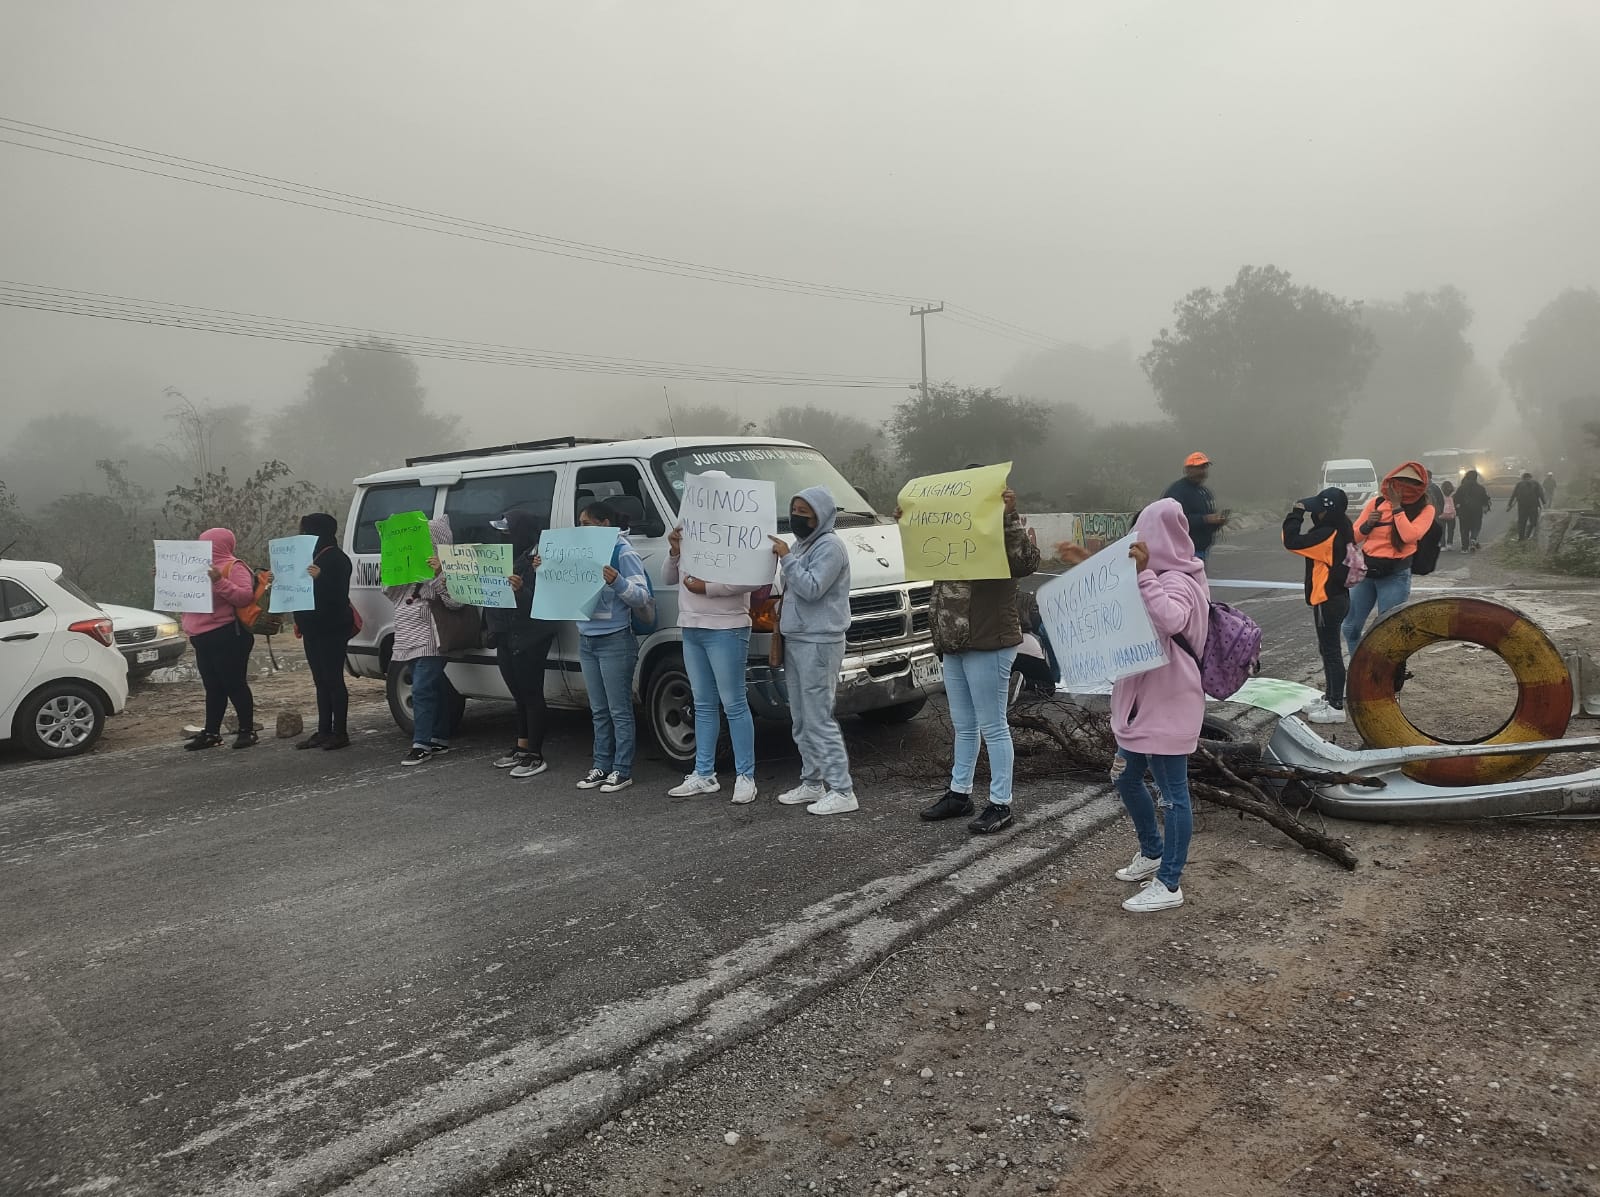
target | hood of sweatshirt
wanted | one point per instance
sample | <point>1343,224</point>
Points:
<point>827,511</point>
<point>222,546</point>
<point>439,529</point>
<point>321,525</point>
<point>523,529</point>
<point>1412,479</point>
<point>1164,530</point>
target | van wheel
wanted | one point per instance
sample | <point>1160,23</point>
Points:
<point>901,712</point>
<point>398,689</point>
<point>60,719</point>
<point>669,702</point>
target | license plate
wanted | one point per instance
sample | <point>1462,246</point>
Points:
<point>146,657</point>
<point>927,671</point>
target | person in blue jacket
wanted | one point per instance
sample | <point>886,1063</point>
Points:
<point>814,616</point>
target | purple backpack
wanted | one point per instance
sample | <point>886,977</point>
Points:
<point>1233,651</point>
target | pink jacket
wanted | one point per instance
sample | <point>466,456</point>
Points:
<point>234,589</point>
<point>1159,713</point>
<point>721,606</point>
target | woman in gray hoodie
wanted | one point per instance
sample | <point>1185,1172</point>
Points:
<point>814,617</point>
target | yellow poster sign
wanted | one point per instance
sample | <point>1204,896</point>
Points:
<point>952,526</point>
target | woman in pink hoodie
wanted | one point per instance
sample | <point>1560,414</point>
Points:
<point>1156,716</point>
<point>222,645</point>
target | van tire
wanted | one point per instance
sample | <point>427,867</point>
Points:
<point>397,688</point>
<point>669,705</point>
<point>901,712</point>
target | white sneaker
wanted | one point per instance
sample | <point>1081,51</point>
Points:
<point>1141,867</point>
<point>591,779</point>
<point>803,794</point>
<point>615,781</point>
<point>834,803</point>
<point>1323,713</point>
<point>744,790</point>
<point>693,785</point>
<point>1155,896</point>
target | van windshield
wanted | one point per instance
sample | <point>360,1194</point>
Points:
<point>1337,476</point>
<point>790,469</point>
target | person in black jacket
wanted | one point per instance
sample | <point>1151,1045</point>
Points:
<point>325,632</point>
<point>1472,501</point>
<point>1527,498</point>
<point>1325,546</point>
<point>522,644</point>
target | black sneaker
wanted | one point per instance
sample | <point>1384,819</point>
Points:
<point>336,741</point>
<point>951,806</point>
<point>314,740</point>
<point>202,740</point>
<point>246,740</point>
<point>416,756</point>
<point>994,818</point>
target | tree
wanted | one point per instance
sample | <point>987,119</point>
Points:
<point>1554,370</point>
<point>267,504</point>
<point>15,531</point>
<point>364,410</point>
<point>837,435</point>
<point>55,455</point>
<point>958,425</point>
<point>206,438</point>
<point>1413,397</point>
<point>871,474</point>
<point>1261,376</point>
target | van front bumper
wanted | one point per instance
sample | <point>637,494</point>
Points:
<point>866,683</point>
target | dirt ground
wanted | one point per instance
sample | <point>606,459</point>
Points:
<point>1424,1024</point>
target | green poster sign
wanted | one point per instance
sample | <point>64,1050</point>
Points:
<point>405,546</point>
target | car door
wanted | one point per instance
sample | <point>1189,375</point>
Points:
<point>26,629</point>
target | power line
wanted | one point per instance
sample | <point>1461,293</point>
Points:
<point>127,309</point>
<point>103,152</point>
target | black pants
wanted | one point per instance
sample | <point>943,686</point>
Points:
<point>1036,670</point>
<point>521,656</point>
<point>1328,617</point>
<point>1471,525</point>
<point>1527,522</point>
<point>1449,527</point>
<point>222,656</point>
<point>325,655</point>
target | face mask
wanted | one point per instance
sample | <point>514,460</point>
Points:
<point>801,526</point>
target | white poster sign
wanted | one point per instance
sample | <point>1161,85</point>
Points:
<point>1097,622</point>
<point>182,583</point>
<point>727,523</point>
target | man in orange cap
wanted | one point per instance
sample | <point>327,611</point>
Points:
<point>1197,502</point>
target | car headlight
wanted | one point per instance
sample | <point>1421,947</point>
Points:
<point>167,629</point>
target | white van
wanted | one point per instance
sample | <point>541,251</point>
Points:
<point>890,666</point>
<point>1353,475</point>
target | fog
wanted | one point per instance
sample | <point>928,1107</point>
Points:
<point>1071,169</point>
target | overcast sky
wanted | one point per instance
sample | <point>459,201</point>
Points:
<point>1070,167</point>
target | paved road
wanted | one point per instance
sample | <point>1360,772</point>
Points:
<point>211,964</point>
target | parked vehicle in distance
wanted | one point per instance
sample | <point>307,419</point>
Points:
<point>1353,475</point>
<point>890,666</point>
<point>60,676</point>
<point>1500,486</point>
<point>149,639</point>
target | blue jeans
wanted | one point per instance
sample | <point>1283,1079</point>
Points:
<point>1172,777</point>
<point>975,684</point>
<point>811,678</point>
<point>716,659</point>
<point>430,723</point>
<point>608,663</point>
<point>1388,593</point>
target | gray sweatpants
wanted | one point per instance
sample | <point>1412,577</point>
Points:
<point>811,675</point>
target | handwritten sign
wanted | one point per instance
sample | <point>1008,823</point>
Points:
<point>292,587</point>
<point>570,577</point>
<point>182,583</point>
<point>726,526</point>
<point>404,545</point>
<point>475,574</point>
<point>952,526</point>
<point>1097,622</point>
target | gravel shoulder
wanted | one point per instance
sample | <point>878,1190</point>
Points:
<point>1424,1024</point>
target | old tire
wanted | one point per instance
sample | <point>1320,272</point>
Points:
<point>60,719</point>
<point>1544,689</point>
<point>901,712</point>
<point>669,705</point>
<point>397,688</point>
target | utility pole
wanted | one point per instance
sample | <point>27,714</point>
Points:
<point>922,315</point>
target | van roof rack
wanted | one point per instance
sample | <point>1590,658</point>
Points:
<point>554,442</point>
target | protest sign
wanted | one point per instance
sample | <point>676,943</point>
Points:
<point>727,525</point>
<point>1097,623</point>
<point>405,544</point>
<point>952,526</point>
<point>292,587</point>
<point>475,574</point>
<point>570,577</point>
<point>182,583</point>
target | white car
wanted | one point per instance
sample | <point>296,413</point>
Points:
<point>149,639</point>
<point>60,676</point>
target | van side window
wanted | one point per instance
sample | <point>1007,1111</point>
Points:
<point>17,601</point>
<point>473,502</point>
<point>616,481</point>
<point>381,502</point>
